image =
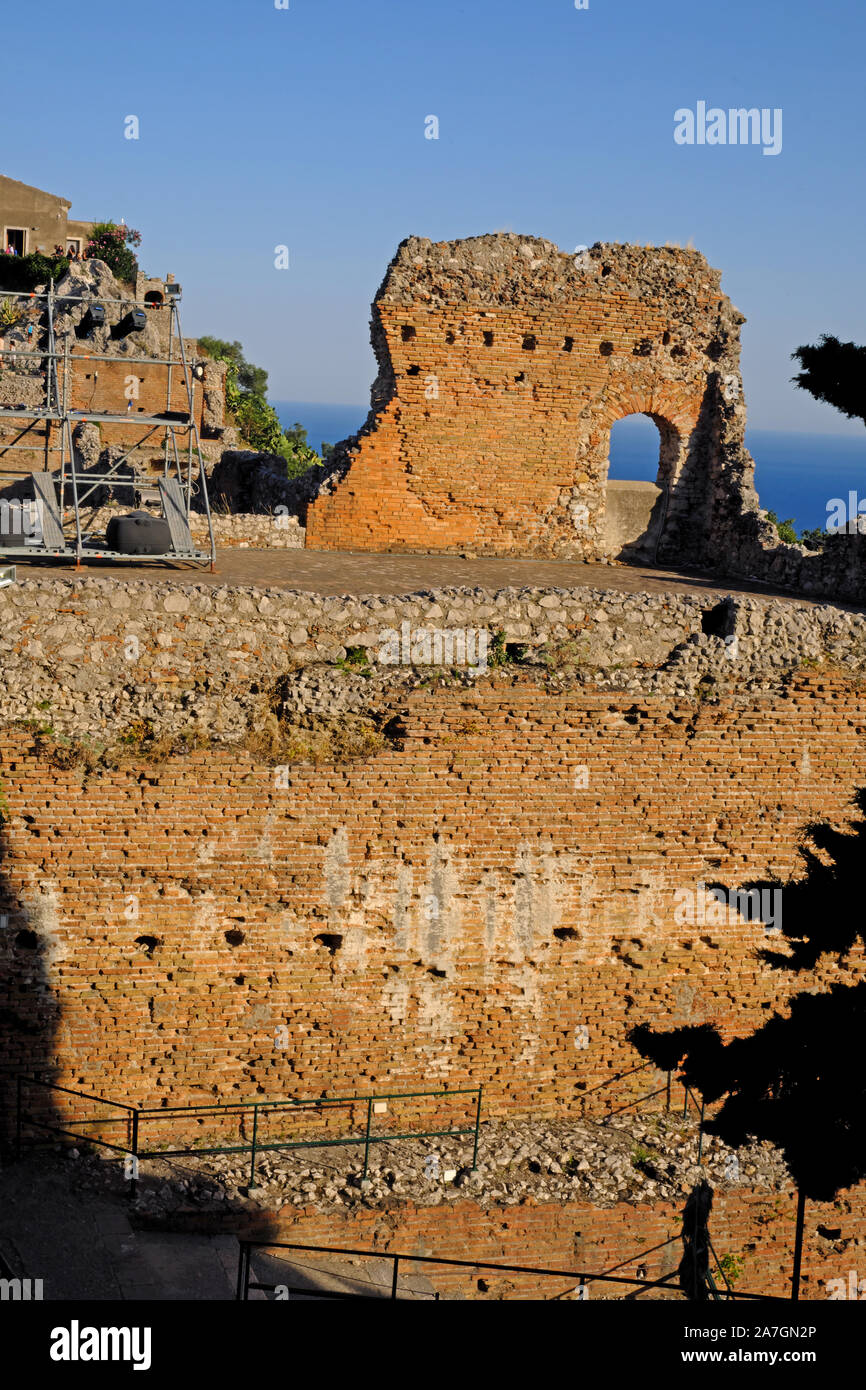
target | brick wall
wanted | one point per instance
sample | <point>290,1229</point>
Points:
<point>454,908</point>
<point>641,1240</point>
<point>102,387</point>
<point>503,364</point>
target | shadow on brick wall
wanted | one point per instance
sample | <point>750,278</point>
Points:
<point>28,1007</point>
<point>797,1081</point>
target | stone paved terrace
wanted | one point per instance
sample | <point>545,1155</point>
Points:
<point>363,573</point>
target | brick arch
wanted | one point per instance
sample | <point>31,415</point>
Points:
<point>634,515</point>
<point>674,436</point>
<point>503,364</point>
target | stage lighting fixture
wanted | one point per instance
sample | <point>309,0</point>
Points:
<point>133,322</point>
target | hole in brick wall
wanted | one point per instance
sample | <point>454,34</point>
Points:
<point>606,269</point>
<point>829,1232</point>
<point>565,933</point>
<point>488,339</point>
<point>521,376</point>
<point>568,345</point>
<point>407,332</point>
<point>412,371</point>
<point>437,974</point>
<point>27,941</point>
<point>240,979</point>
<point>235,938</point>
<point>394,731</point>
<point>529,342</point>
<point>666,337</point>
<point>715,348</point>
<point>605,348</point>
<point>483,1286</point>
<point>147,944</point>
<point>642,348</point>
<point>678,350</point>
<point>449,337</point>
<point>331,940</point>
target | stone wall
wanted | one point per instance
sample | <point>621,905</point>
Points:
<point>92,655</point>
<point>247,530</point>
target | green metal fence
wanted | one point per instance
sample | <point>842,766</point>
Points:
<point>132,1120</point>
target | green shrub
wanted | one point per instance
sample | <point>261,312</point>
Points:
<point>111,244</point>
<point>784,529</point>
<point>10,313</point>
<point>815,539</point>
<point>732,1266</point>
<point>24,273</point>
<point>502,653</point>
<point>256,420</point>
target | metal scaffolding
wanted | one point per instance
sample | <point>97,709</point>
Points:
<point>59,493</point>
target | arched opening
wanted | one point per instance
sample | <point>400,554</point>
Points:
<point>154,299</point>
<point>643,452</point>
<point>634,452</point>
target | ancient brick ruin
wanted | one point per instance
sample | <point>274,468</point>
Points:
<point>553,826</point>
<point>487,892</point>
<point>503,364</point>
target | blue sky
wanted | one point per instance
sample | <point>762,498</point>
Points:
<point>305,127</point>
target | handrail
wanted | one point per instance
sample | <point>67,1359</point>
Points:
<point>135,1116</point>
<point>583,1277</point>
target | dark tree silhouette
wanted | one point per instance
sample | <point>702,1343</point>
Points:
<point>834,372</point>
<point>695,1264</point>
<point>796,1081</point>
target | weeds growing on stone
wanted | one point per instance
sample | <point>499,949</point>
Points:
<point>318,739</point>
<point>503,653</point>
<point>732,1267</point>
<point>356,662</point>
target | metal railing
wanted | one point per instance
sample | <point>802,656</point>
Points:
<point>581,1278</point>
<point>689,1097</point>
<point>134,1118</point>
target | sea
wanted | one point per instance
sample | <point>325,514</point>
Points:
<point>796,475</point>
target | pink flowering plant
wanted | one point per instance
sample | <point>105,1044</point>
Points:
<point>111,243</point>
